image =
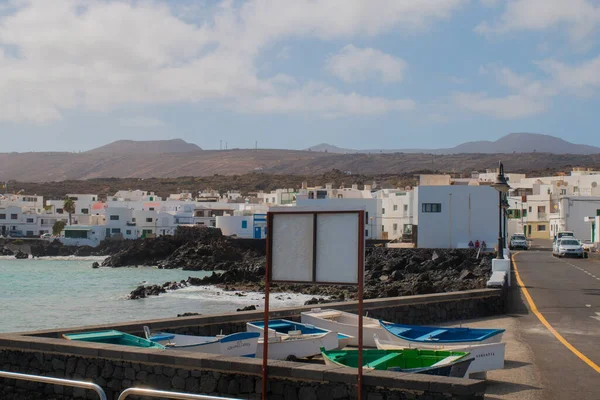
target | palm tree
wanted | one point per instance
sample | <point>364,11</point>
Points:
<point>69,207</point>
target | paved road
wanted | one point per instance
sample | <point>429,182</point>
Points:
<point>567,293</point>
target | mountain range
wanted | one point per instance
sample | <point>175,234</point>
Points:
<point>511,143</point>
<point>177,158</point>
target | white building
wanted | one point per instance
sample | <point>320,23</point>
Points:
<point>397,208</point>
<point>135,195</point>
<point>279,197</point>
<point>572,215</point>
<point>452,216</point>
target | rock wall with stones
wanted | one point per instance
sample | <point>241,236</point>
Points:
<point>115,376</point>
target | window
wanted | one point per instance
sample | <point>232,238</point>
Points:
<point>382,228</point>
<point>395,227</point>
<point>132,219</point>
<point>244,224</point>
<point>524,213</point>
<point>395,207</point>
<point>114,217</point>
<point>383,211</point>
<point>597,214</point>
<point>2,216</point>
<point>541,228</point>
<point>367,217</point>
<point>59,211</point>
<point>405,210</point>
<point>30,220</point>
<point>116,230</point>
<point>563,191</point>
<point>340,196</point>
<point>151,209</point>
<point>542,209</point>
<point>14,216</point>
<point>530,209</point>
<point>148,219</point>
<point>128,232</point>
<point>366,233</point>
<point>93,199</point>
<point>85,211</point>
<point>29,233</point>
<point>431,207</point>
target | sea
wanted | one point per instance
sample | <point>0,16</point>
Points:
<point>46,293</point>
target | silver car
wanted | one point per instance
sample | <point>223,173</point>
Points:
<point>518,241</point>
<point>567,247</point>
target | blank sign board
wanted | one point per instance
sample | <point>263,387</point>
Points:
<point>316,247</point>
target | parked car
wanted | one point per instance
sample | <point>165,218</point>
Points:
<point>518,241</point>
<point>15,234</point>
<point>588,245</point>
<point>46,236</point>
<point>567,247</point>
<point>563,234</point>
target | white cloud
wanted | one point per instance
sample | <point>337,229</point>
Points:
<point>354,64</point>
<point>579,79</point>
<point>528,97</point>
<point>64,55</point>
<point>141,122</point>
<point>508,107</point>
<point>580,17</point>
<point>284,53</point>
<point>489,3</point>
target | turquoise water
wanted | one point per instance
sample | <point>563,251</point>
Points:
<point>50,293</point>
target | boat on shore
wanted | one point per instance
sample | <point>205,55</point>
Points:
<point>486,357</point>
<point>343,322</point>
<point>415,335</point>
<point>113,337</point>
<point>242,344</point>
<point>289,339</point>
<point>416,361</point>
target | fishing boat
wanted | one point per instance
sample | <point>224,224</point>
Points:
<point>242,344</point>
<point>289,339</point>
<point>416,361</point>
<point>415,335</point>
<point>113,337</point>
<point>343,322</point>
<point>486,357</point>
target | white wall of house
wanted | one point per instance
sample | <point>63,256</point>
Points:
<point>241,226</point>
<point>451,216</point>
<point>574,210</point>
<point>372,207</point>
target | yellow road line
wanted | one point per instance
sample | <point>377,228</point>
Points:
<point>543,320</point>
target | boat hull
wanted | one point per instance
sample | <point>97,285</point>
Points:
<point>486,357</point>
<point>349,327</point>
<point>243,344</point>
<point>286,347</point>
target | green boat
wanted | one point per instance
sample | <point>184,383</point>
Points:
<point>113,337</point>
<point>431,362</point>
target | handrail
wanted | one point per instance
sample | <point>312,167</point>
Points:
<point>55,381</point>
<point>168,395</point>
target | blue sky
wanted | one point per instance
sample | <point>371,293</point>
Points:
<point>76,74</point>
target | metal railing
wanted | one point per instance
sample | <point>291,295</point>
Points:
<point>168,395</point>
<point>56,381</point>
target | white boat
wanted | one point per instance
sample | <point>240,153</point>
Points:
<point>486,357</point>
<point>289,339</point>
<point>242,344</point>
<point>344,322</point>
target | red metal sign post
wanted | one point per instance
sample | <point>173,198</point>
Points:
<point>359,282</point>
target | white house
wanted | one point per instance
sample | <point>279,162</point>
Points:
<point>239,225</point>
<point>452,216</point>
<point>396,212</point>
<point>572,215</point>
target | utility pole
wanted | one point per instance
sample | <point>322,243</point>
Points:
<point>220,145</point>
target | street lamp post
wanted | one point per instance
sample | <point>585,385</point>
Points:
<point>502,187</point>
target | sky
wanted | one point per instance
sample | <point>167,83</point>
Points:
<point>77,74</point>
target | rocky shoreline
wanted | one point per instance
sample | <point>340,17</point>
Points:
<point>389,272</point>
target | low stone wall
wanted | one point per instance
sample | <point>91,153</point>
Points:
<point>117,367</point>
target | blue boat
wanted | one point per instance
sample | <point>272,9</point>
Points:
<point>428,336</point>
<point>113,337</point>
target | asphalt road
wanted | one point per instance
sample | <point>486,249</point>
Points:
<point>567,293</point>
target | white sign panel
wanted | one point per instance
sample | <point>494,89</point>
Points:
<point>337,248</point>
<point>316,247</point>
<point>292,249</point>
